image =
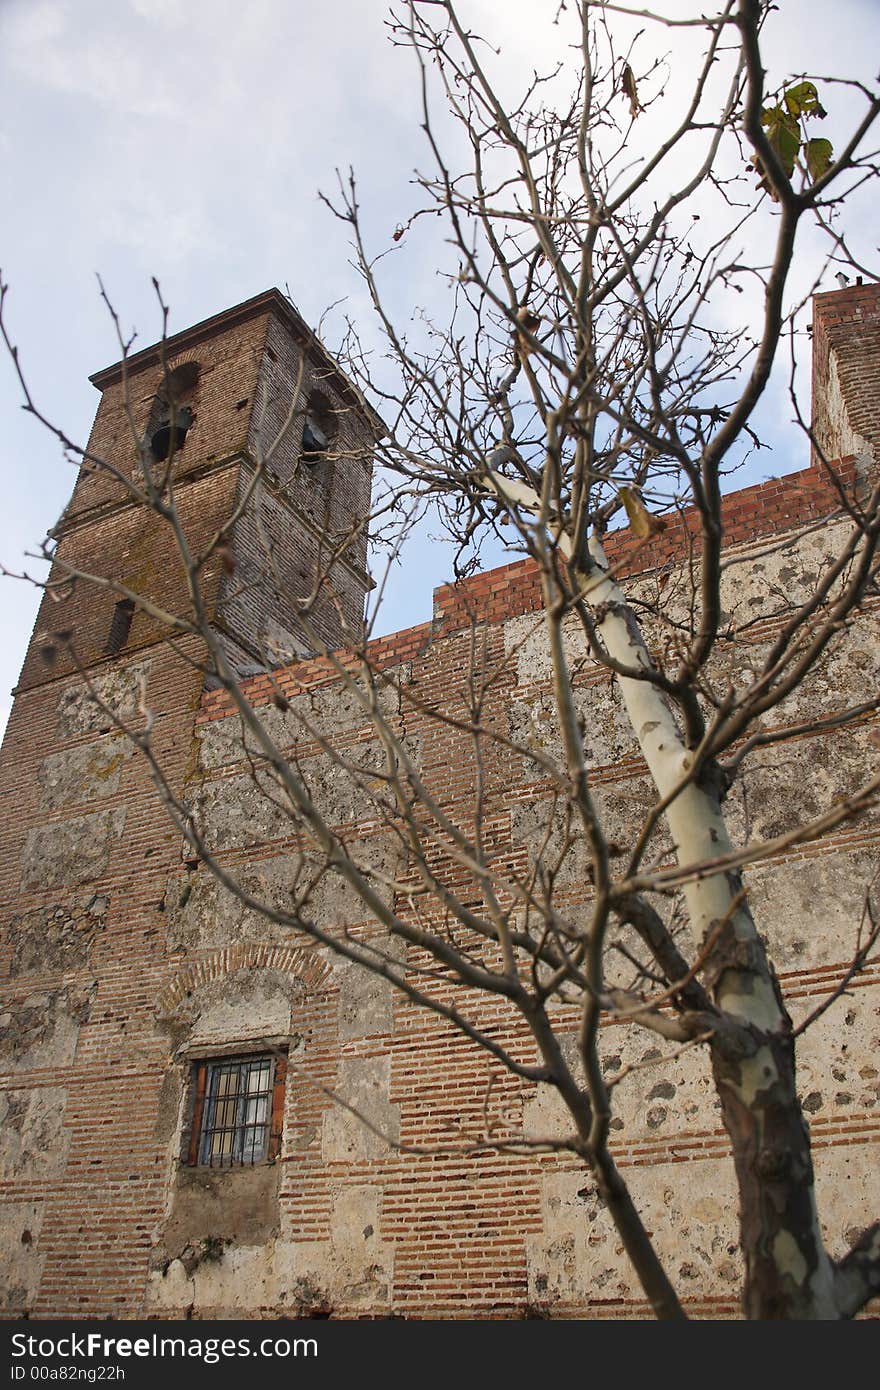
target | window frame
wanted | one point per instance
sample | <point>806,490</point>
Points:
<point>203,1072</point>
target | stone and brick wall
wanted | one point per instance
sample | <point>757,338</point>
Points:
<point>122,960</point>
<point>502,1235</point>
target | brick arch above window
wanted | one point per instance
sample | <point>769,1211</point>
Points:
<point>305,966</point>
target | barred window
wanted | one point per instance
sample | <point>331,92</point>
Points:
<point>238,1110</point>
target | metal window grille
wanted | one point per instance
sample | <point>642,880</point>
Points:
<point>237,1111</point>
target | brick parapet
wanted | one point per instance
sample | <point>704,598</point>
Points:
<point>749,515</point>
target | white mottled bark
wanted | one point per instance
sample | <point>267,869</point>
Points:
<point>694,816</point>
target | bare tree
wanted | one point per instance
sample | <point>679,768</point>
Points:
<point>584,369</point>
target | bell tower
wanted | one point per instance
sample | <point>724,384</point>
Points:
<point>266,446</point>
<point>248,425</point>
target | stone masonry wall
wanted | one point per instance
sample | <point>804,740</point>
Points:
<point>500,1235</point>
<point>123,963</point>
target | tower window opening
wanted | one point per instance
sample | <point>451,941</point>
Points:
<point>314,441</point>
<point>120,626</point>
<point>172,415</point>
<point>319,428</point>
<point>171,432</point>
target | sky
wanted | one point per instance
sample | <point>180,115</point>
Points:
<point>188,140</point>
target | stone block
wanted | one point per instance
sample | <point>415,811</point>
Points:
<point>71,851</point>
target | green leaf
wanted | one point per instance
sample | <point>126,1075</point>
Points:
<point>771,114</point>
<point>783,136</point>
<point>818,154</point>
<point>803,100</point>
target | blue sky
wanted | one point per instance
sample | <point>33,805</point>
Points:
<point>188,141</point>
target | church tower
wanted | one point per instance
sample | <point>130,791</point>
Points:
<point>251,388</point>
<point>267,449</point>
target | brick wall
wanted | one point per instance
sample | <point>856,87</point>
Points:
<point>846,368</point>
<point>121,958</point>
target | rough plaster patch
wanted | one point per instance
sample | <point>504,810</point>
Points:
<point>759,585</point>
<point>559,846</point>
<point>526,635</point>
<point>661,1097</point>
<point>215,1208</point>
<point>809,911</point>
<point>364,1083</point>
<point>361,1269</point>
<point>552,843</point>
<point>33,1140</point>
<point>838,1057</point>
<point>365,1004</point>
<point>242,1006</point>
<point>544,1112</point>
<point>305,971</point>
<point>323,712</point>
<point>608,734</point>
<point>846,673</point>
<point>71,851</point>
<point>42,1030</point>
<point>22,1265</point>
<point>120,689</point>
<point>84,772</point>
<point>846,1193</point>
<point>56,937</point>
<point>247,810</point>
<point>838,437</point>
<point>254,809</point>
<point>754,586</point>
<point>578,1258</point>
<point>350,1270</point>
<point>785,786</point>
<point>201,914</point>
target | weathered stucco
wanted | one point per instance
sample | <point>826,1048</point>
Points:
<point>365,1002</point>
<point>22,1263</point>
<point>42,1029</point>
<point>85,772</point>
<point>58,937</point>
<point>240,1006</point>
<point>330,710</point>
<point>72,851</point>
<point>363,1084</point>
<point>202,914</point>
<point>33,1140</point>
<point>212,1209</point>
<point>349,1270</point>
<point>578,1259</point>
<point>120,690</point>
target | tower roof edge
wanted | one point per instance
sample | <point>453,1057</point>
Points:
<point>269,301</point>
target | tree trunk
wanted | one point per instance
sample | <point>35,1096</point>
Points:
<point>788,1273</point>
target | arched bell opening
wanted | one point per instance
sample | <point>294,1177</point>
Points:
<point>172,414</point>
<point>319,428</point>
<point>170,436</point>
